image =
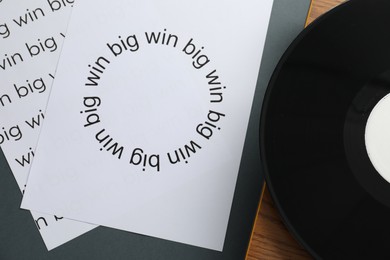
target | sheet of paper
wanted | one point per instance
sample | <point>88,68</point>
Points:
<point>148,114</point>
<point>31,36</point>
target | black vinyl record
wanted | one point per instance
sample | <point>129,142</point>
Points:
<point>312,133</point>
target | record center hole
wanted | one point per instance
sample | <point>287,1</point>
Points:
<point>377,137</point>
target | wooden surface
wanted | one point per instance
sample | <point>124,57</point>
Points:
<point>271,240</point>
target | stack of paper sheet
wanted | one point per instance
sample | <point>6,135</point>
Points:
<point>147,116</point>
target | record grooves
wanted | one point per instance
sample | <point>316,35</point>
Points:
<point>312,133</point>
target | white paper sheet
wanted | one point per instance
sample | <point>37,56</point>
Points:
<point>148,114</point>
<point>31,36</point>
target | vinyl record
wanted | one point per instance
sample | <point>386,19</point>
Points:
<point>327,170</point>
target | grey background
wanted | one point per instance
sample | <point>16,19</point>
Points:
<point>20,239</point>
